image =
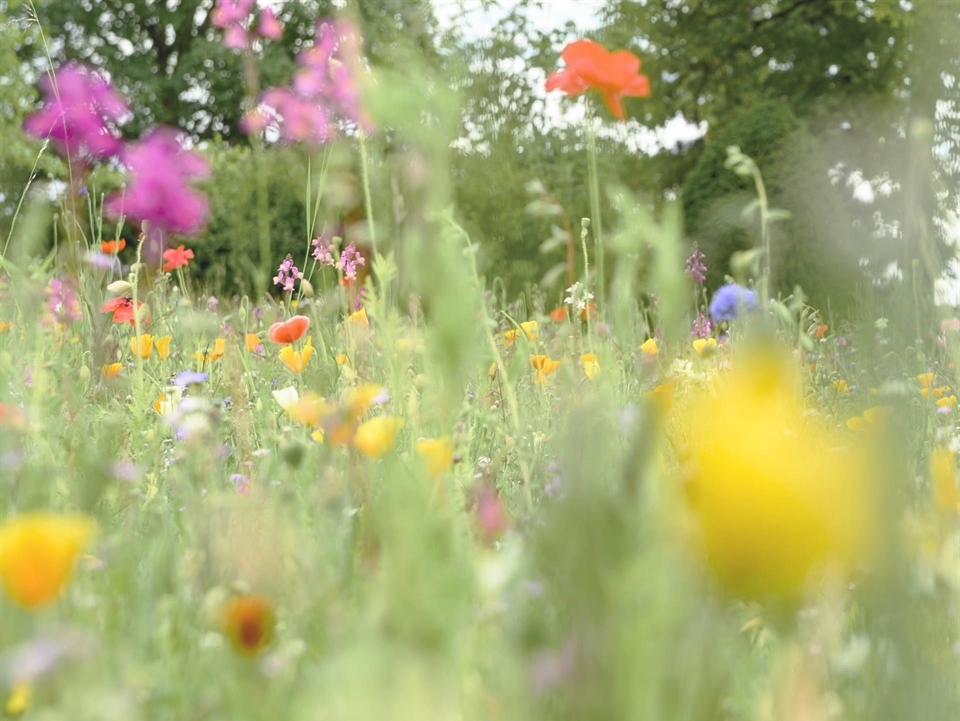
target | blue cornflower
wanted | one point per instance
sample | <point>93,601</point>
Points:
<point>729,299</point>
<point>190,378</point>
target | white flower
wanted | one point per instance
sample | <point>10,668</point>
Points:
<point>286,398</point>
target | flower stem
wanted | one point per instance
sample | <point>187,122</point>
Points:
<point>595,211</point>
<point>368,205</point>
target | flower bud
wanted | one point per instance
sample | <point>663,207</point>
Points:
<point>119,286</point>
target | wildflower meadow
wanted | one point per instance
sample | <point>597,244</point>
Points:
<point>383,360</point>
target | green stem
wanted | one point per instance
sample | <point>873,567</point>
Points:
<point>368,205</point>
<point>595,213</point>
<point>586,291</point>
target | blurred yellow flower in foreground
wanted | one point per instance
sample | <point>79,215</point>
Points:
<point>774,496</point>
<point>943,481</point>
<point>38,552</point>
<point>374,438</point>
<point>4,326</point>
<point>874,417</point>
<point>296,360</point>
<point>649,346</point>
<point>591,364</point>
<point>360,318</point>
<point>19,699</point>
<point>145,347</point>
<point>437,452</point>
<point>251,341</point>
<point>248,622</point>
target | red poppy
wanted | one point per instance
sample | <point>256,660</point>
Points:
<point>592,307</point>
<point>290,330</point>
<point>558,315</point>
<point>248,622</point>
<point>176,258</point>
<point>112,247</point>
<point>614,75</point>
<point>122,309</point>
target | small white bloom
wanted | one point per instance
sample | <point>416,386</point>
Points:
<point>286,398</point>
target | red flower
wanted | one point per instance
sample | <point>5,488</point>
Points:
<point>558,315</point>
<point>613,75</point>
<point>122,309</point>
<point>112,247</point>
<point>176,258</point>
<point>290,330</point>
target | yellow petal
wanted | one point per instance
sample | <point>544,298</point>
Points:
<point>376,436</point>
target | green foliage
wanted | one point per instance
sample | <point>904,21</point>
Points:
<point>807,249</point>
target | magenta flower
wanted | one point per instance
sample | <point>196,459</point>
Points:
<point>79,114</point>
<point>269,27</point>
<point>324,89</point>
<point>350,258</point>
<point>159,192</point>
<point>63,306</point>
<point>695,267</point>
<point>230,12</point>
<point>287,273</point>
<point>323,250</point>
<point>702,326</point>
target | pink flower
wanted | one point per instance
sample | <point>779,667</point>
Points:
<point>350,258</point>
<point>78,115</point>
<point>298,119</point>
<point>236,38</point>
<point>159,192</point>
<point>269,27</point>
<point>230,12</point>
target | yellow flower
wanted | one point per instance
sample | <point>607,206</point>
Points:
<point>311,410</point>
<point>840,386</point>
<point>947,402</point>
<point>705,346</point>
<point>943,481</point>
<point>926,379</point>
<point>342,359</point>
<point>38,552</point>
<point>531,329</point>
<point>248,622</point>
<point>358,399</point>
<point>773,498</point>
<point>296,360</point>
<point>376,436</point>
<point>164,405</point>
<point>219,346</point>
<point>360,318</point>
<point>145,347</point>
<point>649,346</point>
<point>251,341</point>
<point>111,369</point>
<point>4,327</point>
<point>874,417</point>
<point>437,452</point>
<point>544,366</point>
<point>163,347</point>
<point>591,365</point>
<point>925,392</point>
<point>662,396</point>
<point>19,699</point>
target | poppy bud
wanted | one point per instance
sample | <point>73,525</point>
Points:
<point>84,374</point>
<point>306,288</point>
<point>119,286</point>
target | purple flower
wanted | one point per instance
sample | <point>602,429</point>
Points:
<point>297,119</point>
<point>240,483</point>
<point>190,378</point>
<point>78,115</point>
<point>350,258</point>
<point>695,267</point>
<point>729,299</point>
<point>62,303</point>
<point>269,27</point>
<point>287,273</point>
<point>702,327</point>
<point>159,192</point>
<point>230,16</point>
<point>323,249</point>
<point>212,304</point>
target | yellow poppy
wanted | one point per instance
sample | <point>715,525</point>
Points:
<point>773,497</point>
<point>705,346</point>
<point>19,699</point>
<point>145,347</point>
<point>591,364</point>
<point>375,437</point>
<point>947,402</point>
<point>926,379</point>
<point>544,366</point>
<point>163,347</point>
<point>840,386</point>
<point>342,359</point>
<point>219,346</point>
<point>649,346</point>
<point>251,341</point>
<point>111,369</point>
<point>662,396</point>
<point>4,326</point>
<point>296,360</point>
<point>359,318</point>
<point>38,552</point>
<point>437,452</point>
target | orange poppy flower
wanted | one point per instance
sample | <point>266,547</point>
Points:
<point>289,331</point>
<point>248,622</point>
<point>544,366</point>
<point>558,315</point>
<point>122,309</point>
<point>112,247</point>
<point>614,75</point>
